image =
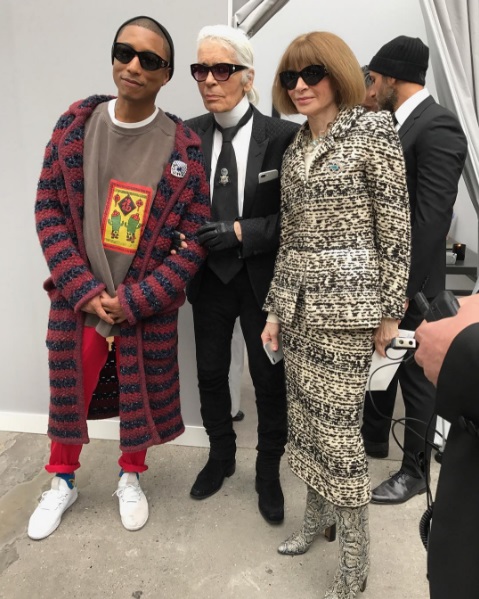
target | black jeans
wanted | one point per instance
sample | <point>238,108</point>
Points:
<point>214,314</point>
<point>419,400</point>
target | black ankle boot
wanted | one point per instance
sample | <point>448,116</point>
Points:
<point>210,479</point>
<point>270,499</point>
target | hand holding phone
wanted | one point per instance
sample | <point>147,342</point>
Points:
<point>444,305</point>
<point>274,356</point>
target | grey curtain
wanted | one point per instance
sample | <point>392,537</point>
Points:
<point>452,28</point>
<point>251,15</point>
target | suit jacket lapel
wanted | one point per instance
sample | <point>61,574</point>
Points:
<point>257,149</point>
<point>206,136</point>
<point>409,122</point>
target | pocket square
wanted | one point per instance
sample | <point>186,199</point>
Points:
<point>268,176</point>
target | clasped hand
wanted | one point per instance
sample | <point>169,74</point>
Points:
<point>218,236</point>
<point>106,307</point>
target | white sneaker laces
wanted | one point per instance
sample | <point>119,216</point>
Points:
<point>130,493</point>
<point>52,499</point>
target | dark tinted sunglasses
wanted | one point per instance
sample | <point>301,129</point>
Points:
<point>149,61</point>
<point>221,71</point>
<point>310,75</point>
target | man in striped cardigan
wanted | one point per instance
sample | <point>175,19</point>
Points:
<point>119,176</point>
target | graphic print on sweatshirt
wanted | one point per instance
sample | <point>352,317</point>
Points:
<point>126,210</point>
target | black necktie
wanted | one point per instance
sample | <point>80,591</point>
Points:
<point>225,191</point>
<point>395,121</point>
<point>226,263</point>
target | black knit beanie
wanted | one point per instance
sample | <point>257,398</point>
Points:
<point>404,58</point>
<point>161,28</point>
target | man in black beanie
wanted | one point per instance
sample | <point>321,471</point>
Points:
<point>435,150</point>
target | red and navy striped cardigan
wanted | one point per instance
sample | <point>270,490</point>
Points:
<point>153,290</point>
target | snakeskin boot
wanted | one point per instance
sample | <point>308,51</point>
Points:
<point>318,517</point>
<point>353,533</point>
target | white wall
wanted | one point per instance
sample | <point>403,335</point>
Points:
<point>57,51</point>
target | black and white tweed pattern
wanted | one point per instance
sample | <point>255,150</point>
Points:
<point>326,375</point>
<point>342,265</point>
<point>345,229</point>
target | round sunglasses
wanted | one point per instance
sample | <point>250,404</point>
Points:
<point>221,71</point>
<point>311,75</point>
<point>149,61</point>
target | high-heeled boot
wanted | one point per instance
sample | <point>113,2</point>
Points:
<point>353,534</point>
<point>318,517</point>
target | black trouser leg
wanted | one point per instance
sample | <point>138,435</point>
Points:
<point>269,385</point>
<point>419,398</point>
<point>377,418</point>
<point>214,315</point>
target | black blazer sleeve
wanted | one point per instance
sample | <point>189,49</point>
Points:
<point>458,382</point>
<point>434,165</point>
<point>453,550</point>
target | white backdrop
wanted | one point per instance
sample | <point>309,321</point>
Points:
<point>57,53</point>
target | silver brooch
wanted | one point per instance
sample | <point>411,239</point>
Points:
<point>178,169</point>
<point>224,179</point>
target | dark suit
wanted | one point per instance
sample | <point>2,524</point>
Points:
<point>453,551</point>
<point>435,149</point>
<point>216,305</point>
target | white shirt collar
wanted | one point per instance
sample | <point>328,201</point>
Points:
<point>409,105</point>
<point>232,117</point>
<point>115,121</point>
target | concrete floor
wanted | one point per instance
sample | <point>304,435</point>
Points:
<point>212,549</point>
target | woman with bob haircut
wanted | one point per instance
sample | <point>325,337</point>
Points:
<point>339,286</point>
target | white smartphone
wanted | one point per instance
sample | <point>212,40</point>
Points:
<point>274,356</point>
<point>268,176</point>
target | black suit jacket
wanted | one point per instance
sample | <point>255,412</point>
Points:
<point>453,552</point>
<point>260,220</point>
<point>435,149</point>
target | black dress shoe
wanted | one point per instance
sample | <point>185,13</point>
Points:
<point>210,479</point>
<point>376,450</point>
<point>270,500</point>
<point>238,417</point>
<point>398,489</point>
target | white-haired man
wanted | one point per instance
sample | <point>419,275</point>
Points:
<point>242,240</point>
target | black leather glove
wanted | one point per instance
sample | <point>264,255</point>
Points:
<point>176,241</point>
<point>218,236</point>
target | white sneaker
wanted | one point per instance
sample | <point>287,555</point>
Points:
<point>48,515</point>
<point>132,500</point>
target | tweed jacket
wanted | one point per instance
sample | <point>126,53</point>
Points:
<point>345,229</point>
<point>260,220</point>
<point>152,292</point>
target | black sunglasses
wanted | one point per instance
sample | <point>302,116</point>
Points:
<point>149,61</point>
<point>310,75</point>
<point>221,71</point>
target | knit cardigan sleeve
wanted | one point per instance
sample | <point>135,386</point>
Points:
<point>163,288</point>
<point>58,225</point>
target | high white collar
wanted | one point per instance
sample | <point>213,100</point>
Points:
<point>232,117</point>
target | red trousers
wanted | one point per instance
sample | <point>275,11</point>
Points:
<point>64,458</point>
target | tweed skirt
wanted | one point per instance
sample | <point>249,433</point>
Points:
<point>326,377</point>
